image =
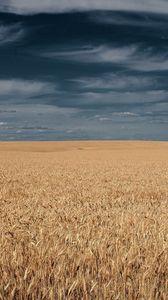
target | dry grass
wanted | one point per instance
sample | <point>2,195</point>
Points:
<point>84,220</point>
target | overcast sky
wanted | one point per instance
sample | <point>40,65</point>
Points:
<point>93,69</point>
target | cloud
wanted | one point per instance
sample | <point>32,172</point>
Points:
<point>116,82</point>
<point>3,123</point>
<point>124,114</point>
<point>157,63</point>
<point>111,117</point>
<point>133,57</point>
<point>83,69</point>
<point>10,33</point>
<point>117,99</point>
<point>18,90</point>
<point>41,109</point>
<point>91,54</point>
<point>51,6</point>
<point>135,20</point>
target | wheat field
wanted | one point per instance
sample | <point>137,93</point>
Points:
<point>84,220</point>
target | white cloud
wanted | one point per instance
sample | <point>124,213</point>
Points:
<point>89,54</point>
<point>104,119</point>
<point>10,33</point>
<point>24,88</point>
<point>132,57</point>
<point>112,116</point>
<point>150,64</point>
<point>144,20</point>
<point>124,114</point>
<point>3,123</point>
<point>36,6</point>
<point>116,54</point>
<point>117,81</point>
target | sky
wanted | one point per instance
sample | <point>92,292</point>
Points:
<point>88,69</point>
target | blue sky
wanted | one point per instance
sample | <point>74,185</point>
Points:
<point>83,69</point>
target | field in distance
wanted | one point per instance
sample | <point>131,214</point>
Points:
<point>84,220</point>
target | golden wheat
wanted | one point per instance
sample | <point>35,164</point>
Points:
<point>84,220</point>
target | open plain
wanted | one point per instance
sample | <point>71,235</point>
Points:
<point>84,220</point>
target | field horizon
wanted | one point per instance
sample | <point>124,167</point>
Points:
<point>84,220</point>
<point>53,145</point>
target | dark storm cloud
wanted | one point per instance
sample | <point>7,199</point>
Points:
<point>83,75</point>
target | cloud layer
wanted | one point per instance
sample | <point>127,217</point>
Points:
<point>88,75</point>
<point>51,6</point>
